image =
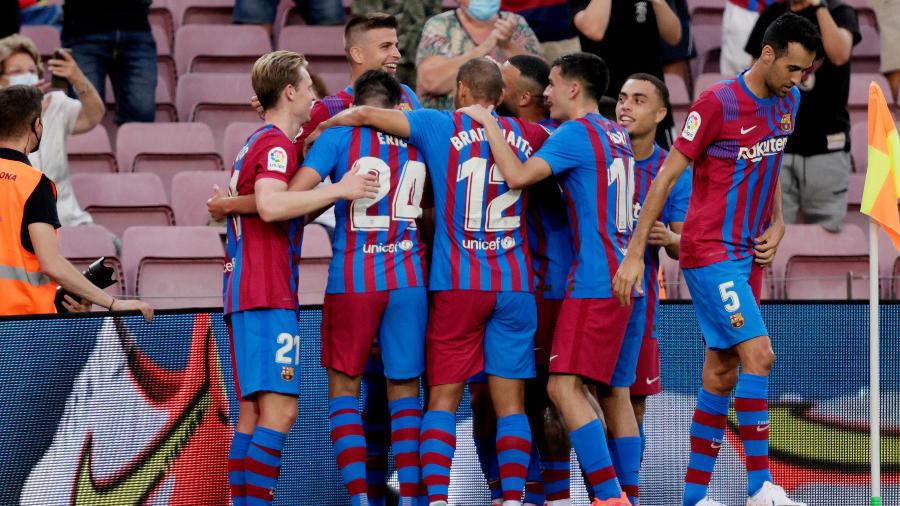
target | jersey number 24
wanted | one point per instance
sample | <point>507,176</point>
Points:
<point>406,204</point>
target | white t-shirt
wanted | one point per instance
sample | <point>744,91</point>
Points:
<point>52,159</point>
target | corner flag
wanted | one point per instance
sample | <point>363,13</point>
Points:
<point>882,187</point>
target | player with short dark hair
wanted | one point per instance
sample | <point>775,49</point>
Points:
<point>642,105</point>
<point>525,77</point>
<point>260,286</point>
<point>482,314</point>
<point>592,160</point>
<point>735,134</point>
<point>376,288</point>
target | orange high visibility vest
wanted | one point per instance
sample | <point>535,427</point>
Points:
<point>24,289</point>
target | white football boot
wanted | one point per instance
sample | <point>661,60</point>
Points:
<point>772,495</point>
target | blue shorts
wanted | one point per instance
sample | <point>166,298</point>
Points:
<point>726,307</point>
<point>470,331</point>
<point>351,322</point>
<point>626,366</point>
<point>265,351</point>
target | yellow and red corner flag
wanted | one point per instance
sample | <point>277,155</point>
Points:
<point>882,187</point>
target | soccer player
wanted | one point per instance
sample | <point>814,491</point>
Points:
<point>482,314</point>
<point>643,103</point>
<point>735,135</point>
<point>525,78</point>
<point>376,288</point>
<point>261,276</point>
<point>592,160</point>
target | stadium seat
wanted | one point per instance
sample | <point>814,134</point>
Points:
<point>219,48</point>
<point>673,281</point>
<point>45,37</point>
<point>315,256</point>
<point>166,149</point>
<point>84,244</point>
<point>165,63</point>
<point>190,190</point>
<point>118,201</point>
<point>679,98</point>
<point>858,102</point>
<point>236,134</point>
<point>708,41</point>
<point>815,264</point>
<point>215,99</point>
<point>859,146</point>
<point>288,14</point>
<point>710,14</point>
<point>704,81</point>
<point>335,81</point>
<point>323,46</point>
<point>161,16</point>
<point>205,12</point>
<point>855,184</point>
<point>866,56</point>
<point>90,152</point>
<point>174,267</point>
<point>165,106</point>
<point>888,267</point>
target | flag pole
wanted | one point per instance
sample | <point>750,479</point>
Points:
<point>874,373</point>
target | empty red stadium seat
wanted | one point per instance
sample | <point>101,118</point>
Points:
<point>166,149</point>
<point>708,41</point>
<point>288,13</point>
<point>45,37</point>
<point>673,281</point>
<point>315,258</point>
<point>236,134</point>
<point>84,244</point>
<point>323,46</point>
<point>165,105</point>
<point>165,62</point>
<point>215,99</point>
<point>859,146</point>
<point>219,48</point>
<point>119,201</point>
<point>866,56</point>
<point>679,98</point>
<point>704,81</point>
<point>206,12</point>
<point>335,81</point>
<point>161,16</point>
<point>90,152</point>
<point>174,267</point>
<point>858,101</point>
<point>815,264</point>
<point>190,190</point>
<point>710,14</point>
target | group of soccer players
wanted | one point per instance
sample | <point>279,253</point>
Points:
<point>517,253</point>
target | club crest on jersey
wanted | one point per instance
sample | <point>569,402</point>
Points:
<point>787,123</point>
<point>691,126</point>
<point>767,147</point>
<point>737,320</point>
<point>287,373</point>
<point>278,160</point>
<point>405,107</point>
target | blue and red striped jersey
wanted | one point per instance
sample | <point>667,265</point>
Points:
<point>593,162</point>
<point>549,239</point>
<point>480,239</point>
<point>261,268</point>
<point>674,210</point>
<point>754,5</point>
<point>736,141</point>
<point>376,244</point>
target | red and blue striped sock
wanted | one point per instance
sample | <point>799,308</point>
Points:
<point>707,432</point>
<point>589,442</point>
<point>436,447</point>
<point>752,409</point>
<point>349,444</point>
<point>556,478</point>
<point>261,466</point>
<point>534,483</point>
<point>486,449</point>
<point>406,421</point>
<point>625,453</point>
<point>513,454</point>
<point>239,445</point>
<point>376,424</point>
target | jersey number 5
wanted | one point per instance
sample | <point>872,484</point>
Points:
<point>406,205</point>
<point>474,171</point>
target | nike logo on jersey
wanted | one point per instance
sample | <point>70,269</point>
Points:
<point>651,381</point>
<point>762,428</point>
<point>748,130</point>
<point>136,482</point>
<point>553,356</point>
<point>715,446</point>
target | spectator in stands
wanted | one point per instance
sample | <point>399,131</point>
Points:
<point>816,162</point>
<point>551,21</point>
<point>20,63</point>
<point>450,39</point>
<point>888,14</point>
<point>411,18</point>
<point>626,34</point>
<point>29,252</point>
<point>263,12</point>
<point>9,18</point>
<point>112,37</point>
<point>738,20</point>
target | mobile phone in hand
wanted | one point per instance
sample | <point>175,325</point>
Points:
<point>57,81</point>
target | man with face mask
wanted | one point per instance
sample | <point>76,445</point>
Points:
<point>450,39</point>
<point>30,263</point>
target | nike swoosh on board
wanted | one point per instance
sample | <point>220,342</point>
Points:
<point>136,482</point>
